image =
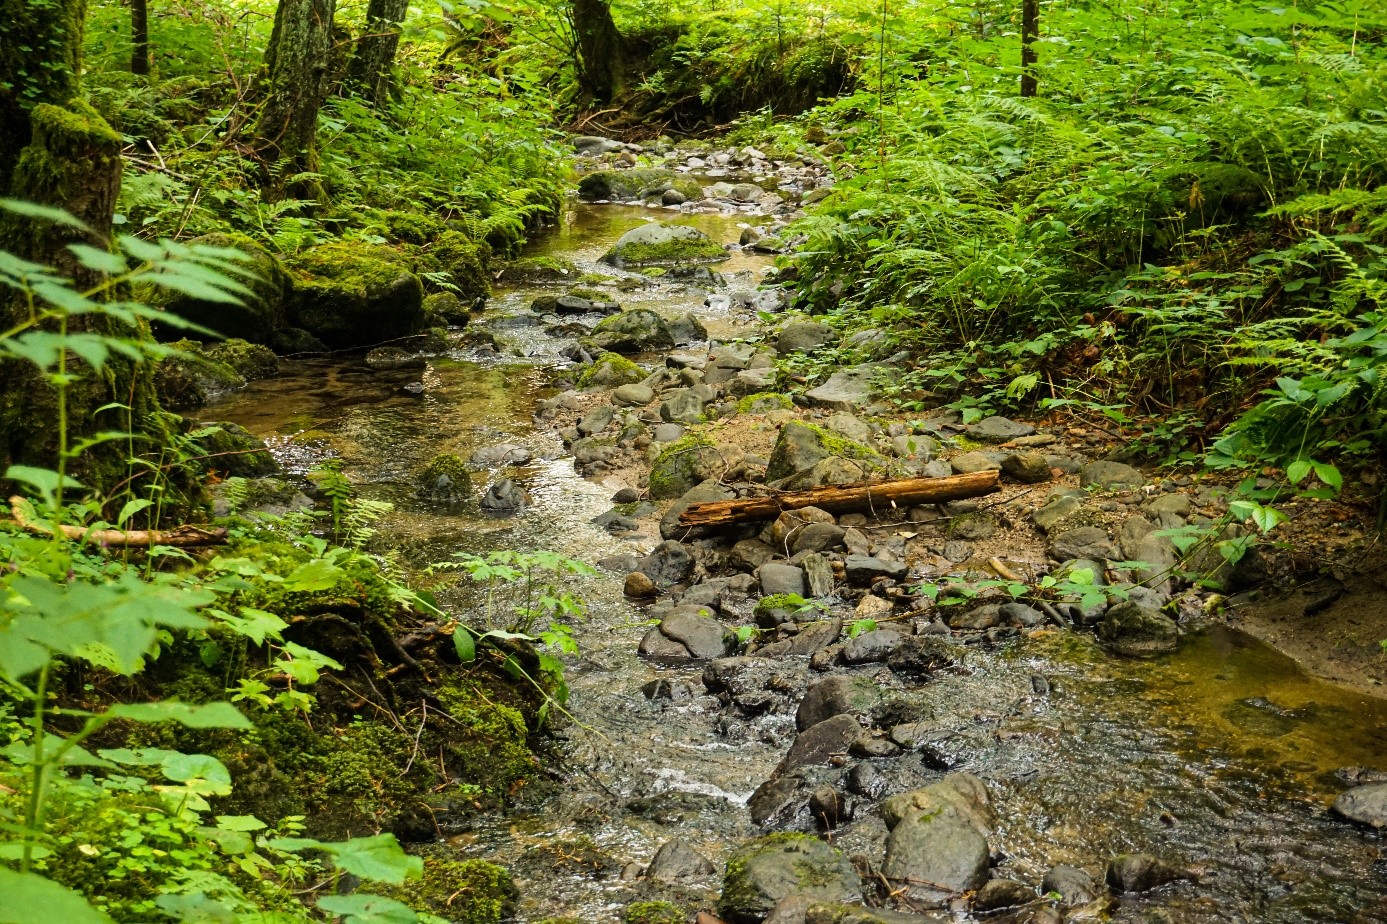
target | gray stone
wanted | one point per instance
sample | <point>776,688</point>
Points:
<point>1026,467</point>
<point>1110,475</point>
<point>1074,886</point>
<point>669,563</point>
<point>751,382</point>
<point>970,462</point>
<point>682,406</point>
<point>847,425</point>
<point>764,872</point>
<point>1057,510</point>
<point>871,647</point>
<point>634,331</point>
<point>696,629</point>
<point>504,498</point>
<point>1129,628</point>
<point>816,744</point>
<point>998,430</point>
<point>956,551</point>
<point>593,146</point>
<point>778,578</point>
<point>846,390</point>
<point>677,470</point>
<point>918,656</point>
<point>803,337</point>
<point>838,694</point>
<point>1177,504</point>
<point>676,861</point>
<point>818,574</point>
<point>655,644</point>
<point>1139,872</point>
<point>687,328</point>
<point>973,527</point>
<point>1002,893</point>
<point>573,304</point>
<point>499,455</point>
<point>656,244</point>
<point>816,537</point>
<point>596,420</point>
<point>915,446</point>
<point>800,447</point>
<point>668,433</point>
<point>863,569</point>
<point>1365,805</point>
<point>633,395</point>
<point>981,617</point>
<point>1084,542</point>
<point>673,197</point>
<point>936,850</point>
<point>702,493</point>
<point>1021,615</point>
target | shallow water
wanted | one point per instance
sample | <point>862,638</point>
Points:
<point>1220,757</point>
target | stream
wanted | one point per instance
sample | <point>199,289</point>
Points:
<point>1222,757</point>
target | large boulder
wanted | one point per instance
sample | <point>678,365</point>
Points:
<point>656,244</point>
<point>767,870</point>
<point>848,390</point>
<point>937,848</point>
<point>261,313</point>
<point>350,295</point>
<point>803,337</point>
<point>1129,628</point>
<point>636,183</point>
<point>682,465</point>
<point>232,451</point>
<point>1366,805</point>
<point>636,331</point>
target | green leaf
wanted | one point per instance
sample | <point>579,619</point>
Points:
<point>464,643</point>
<point>368,909</point>
<point>207,715</point>
<point>378,857</point>
<point>318,574</point>
<point>131,508</point>
<point>29,899</point>
<point>44,213</point>
<point>239,823</point>
<point>1330,475</point>
<point>1297,470</point>
<point>100,260</point>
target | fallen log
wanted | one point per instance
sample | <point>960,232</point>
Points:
<point>183,537</point>
<point>866,496</point>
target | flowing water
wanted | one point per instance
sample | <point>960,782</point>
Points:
<point>1221,757</point>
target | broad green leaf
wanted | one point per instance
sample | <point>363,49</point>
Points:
<point>102,261</point>
<point>44,213</point>
<point>26,898</point>
<point>206,715</point>
<point>131,508</point>
<point>368,909</point>
<point>318,574</point>
<point>465,645</point>
<point>1330,475</point>
<point>1297,470</point>
<point>240,823</point>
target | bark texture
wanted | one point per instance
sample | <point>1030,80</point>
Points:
<point>139,37</point>
<point>601,50</point>
<point>40,58</point>
<point>298,71</point>
<point>371,70</point>
<point>1030,31</point>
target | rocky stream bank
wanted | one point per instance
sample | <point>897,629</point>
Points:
<point>1019,706</point>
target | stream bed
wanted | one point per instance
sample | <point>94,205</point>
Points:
<point>1222,757</point>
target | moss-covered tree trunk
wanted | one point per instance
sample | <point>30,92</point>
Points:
<point>56,150</point>
<point>139,37</point>
<point>297,79</point>
<point>601,50</point>
<point>1030,32</point>
<point>371,70</point>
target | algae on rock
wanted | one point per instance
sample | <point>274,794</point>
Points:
<point>353,295</point>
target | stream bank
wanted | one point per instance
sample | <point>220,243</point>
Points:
<point>1219,757</point>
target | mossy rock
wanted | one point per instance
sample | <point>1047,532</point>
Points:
<point>408,227</point>
<point>465,261</point>
<point>189,379</point>
<point>764,401</point>
<point>263,311</point>
<point>684,464</point>
<point>460,891</point>
<point>632,184</point>
<point>539,270</point>
<point>230,450</point>
<point>351,294</point>
<point>611,370</point>
<point>761,873</point>
<point>447,308</point>
<point>657,244</point>
<point>654,913</point>
<point>803,446</point>
<point>638,330</point>
<point>445,480</point>
<point>251,361</point>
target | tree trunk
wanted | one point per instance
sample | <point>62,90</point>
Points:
<point>874,496</point>
<point>139,37</point>
<point>40,60</point>
<point>601,50</point>
<point>370,72</point>
<point>1030,31</point>
<point>296,82</point>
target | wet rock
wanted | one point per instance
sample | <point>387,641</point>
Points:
<point>845,390</point>
<point>1139,872</point>
<point>635,331</point>
<point>676,861</point>
<point>1056,511</point>
<point>572,304</point>
<point>970,462</point>
<point>981,617</point>
<point>390,359</point>
<point>610,370</point>
<point>818,573</point>
<point>1026,467</point>
<point>1366,805</point>
<point>936,850</point>
<point>1130,628</point>
<point>669,563</point>
<point>687,328</point>
<point>765,871</point>
<point>634,395</point>
<point>593,146</point>
<point>657,244</point>
<point>863,569</point>
<point>1073,885</point>
<point>660,647</point>
<point>639,586</point>
<point>622,563</point>
<point>500,455</point>
<point>803,337</point>
<point>873,607</point>
<point>694,628</point>
<point>1110,476</point>
<point>1021,615</point>
<point>822,913</point>
<point>673,197</point>
<point>816,537</point>
<point>778,579</point>
<point>1084,542</point>
<point>915,447</point>
<point>676,691</point>
<point>828,807</point>
<point>445,480</point>
<point>504,498</point>
<point>702,493</point>
<point>682,406</point>
<point>812,638</point>
<point>788,911</point>
<point>871,647</point>
<point>998,430</point>
<point>838,694</point>
<point>973,527</point>
<point>919,656</point>
<point>816,744</point>
<point>1002,893</point>
<point>682,465</point>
